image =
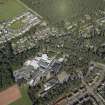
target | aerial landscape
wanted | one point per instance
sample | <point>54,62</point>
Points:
<point>52,52</point>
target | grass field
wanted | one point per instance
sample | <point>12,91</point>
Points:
<point>25,99</point>
<point>57,10</point>
<point>17,24</point>
<point>10,8</point>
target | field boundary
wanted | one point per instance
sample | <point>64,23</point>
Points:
<point>29,8</point>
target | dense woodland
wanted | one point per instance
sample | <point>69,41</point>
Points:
<point>6,74</point>
<point>10,62</point>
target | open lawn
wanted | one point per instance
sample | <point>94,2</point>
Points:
<point>10,8</point>
<point>25,98</point>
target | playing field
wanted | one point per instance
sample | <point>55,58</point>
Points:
<point>9,95</point>
<point>57,10</point>
<point>24,100</point>
<point>10,8</point>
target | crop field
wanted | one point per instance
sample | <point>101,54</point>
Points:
<point>10,9</point>
<point>66,10</point>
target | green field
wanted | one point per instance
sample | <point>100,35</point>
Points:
<point>10,9</point>
<point>17,24</point>
<point>25,98</point>
<point>67,10</point>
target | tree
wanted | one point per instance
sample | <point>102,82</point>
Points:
<point>6,73</point>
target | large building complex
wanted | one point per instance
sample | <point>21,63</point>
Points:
<point>36,68</point>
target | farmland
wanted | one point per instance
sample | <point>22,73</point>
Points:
<point>67,10</point>
<point>10,9</point>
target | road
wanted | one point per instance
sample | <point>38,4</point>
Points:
<point>90,89</point>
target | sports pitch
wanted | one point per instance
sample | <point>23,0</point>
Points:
<point>24,100</point>
<point>9,95</point>
<point>10,9</point>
